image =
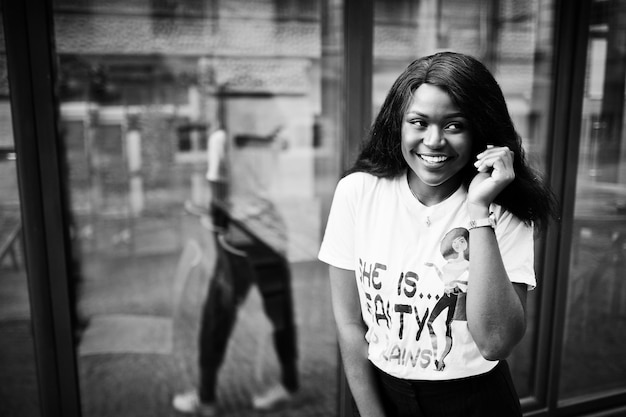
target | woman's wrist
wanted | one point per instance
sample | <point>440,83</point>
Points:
<point>477,211</point>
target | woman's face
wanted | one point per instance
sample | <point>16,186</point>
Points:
<point>436,142</point>
<point>459,245</point>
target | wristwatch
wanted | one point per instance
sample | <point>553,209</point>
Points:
<point>486,222</point>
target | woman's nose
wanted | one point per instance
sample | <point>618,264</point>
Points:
<point>434,137</point>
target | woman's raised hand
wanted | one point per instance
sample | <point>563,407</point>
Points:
<point>495,172</point>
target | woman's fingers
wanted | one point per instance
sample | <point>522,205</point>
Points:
<point>495,172</point>
<point>496,159</point>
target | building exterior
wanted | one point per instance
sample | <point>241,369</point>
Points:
<point>105,112</point>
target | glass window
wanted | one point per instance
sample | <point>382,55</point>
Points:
<point>593,357</point>
<point>19,394</point>
<point>513,38</point>
<point>201,144</point>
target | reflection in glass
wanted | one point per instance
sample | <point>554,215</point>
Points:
<point>513,38</point>
<point>142,87</point>
<point>19,394</point>
<point>593,355</point>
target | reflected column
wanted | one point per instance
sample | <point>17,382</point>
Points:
<point>133,151</point>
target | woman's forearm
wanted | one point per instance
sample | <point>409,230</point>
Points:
<point>351,334</point>
<point>495,308</point>
<point>359,371</point>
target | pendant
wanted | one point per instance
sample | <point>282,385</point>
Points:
<point>428,221</point>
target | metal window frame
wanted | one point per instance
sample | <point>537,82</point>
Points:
<point>28,36</point>
<point>358,63</point>
<point>358,43</point>
<point>570,38</point>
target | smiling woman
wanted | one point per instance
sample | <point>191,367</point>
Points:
<point>445,128</point>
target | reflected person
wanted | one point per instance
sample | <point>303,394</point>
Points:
<point>247,255</point>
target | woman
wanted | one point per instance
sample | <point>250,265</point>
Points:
<point>442,154</point>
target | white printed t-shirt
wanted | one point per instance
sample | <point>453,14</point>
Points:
<point>411,268</point>
<point>248,171</point>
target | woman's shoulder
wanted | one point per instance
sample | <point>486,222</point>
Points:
<point>361,184</point>
<point>357,177</point>
<point>365,179</point>
<point>366,187</point>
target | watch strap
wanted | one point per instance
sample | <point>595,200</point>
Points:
<point>486,222</point>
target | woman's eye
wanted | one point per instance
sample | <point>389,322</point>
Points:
<point>418,123</point>
<point>454,127</point>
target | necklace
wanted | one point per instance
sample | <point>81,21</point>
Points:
<point>428,221</point>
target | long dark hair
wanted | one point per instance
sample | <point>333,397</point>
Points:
<point>474,90</point>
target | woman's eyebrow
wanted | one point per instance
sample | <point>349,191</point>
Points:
<point>445,116</point>
<point>416,113</point>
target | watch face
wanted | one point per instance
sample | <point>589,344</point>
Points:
<point>489,221</point>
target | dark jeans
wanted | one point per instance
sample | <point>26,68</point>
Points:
<point>228,288</point>
<point>488,395</point>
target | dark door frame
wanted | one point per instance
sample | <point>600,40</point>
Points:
<point>573,20</point>
<point>30,64</point>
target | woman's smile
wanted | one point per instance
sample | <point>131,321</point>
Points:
<point>435,160</point>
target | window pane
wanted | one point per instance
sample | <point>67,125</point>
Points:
<point>593,356</point>
<point>513,38</point>
<point>143,88</point>
<point>19,394</point>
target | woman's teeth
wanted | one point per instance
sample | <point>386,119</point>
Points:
<point>433,159</point>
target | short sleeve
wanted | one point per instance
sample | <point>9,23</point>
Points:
<point>337,248</point>
<point>516,243</point>
<point>216,156</point>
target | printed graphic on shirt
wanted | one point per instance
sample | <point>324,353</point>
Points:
<point>416,306</point>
